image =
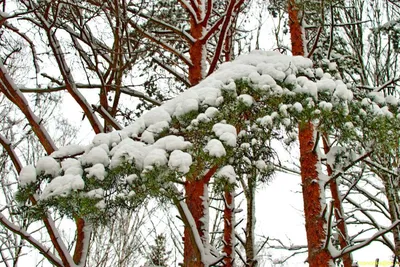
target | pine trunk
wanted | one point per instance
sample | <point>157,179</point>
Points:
<point>309,160</point>
<point>195,187</point>
<point>296,31</point>
<point>194,200</point>
<point>315,222</point>
<point>197,48</point>
<point>338,207</point>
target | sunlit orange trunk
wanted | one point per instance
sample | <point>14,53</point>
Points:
<point>337,202</point>
<point>317,256</point>
<point>80,239</point>
<point>316,235</point>
<point>197,50</point>
<point>194,187</point>
<point>296,32</point>
<point>194,194</point>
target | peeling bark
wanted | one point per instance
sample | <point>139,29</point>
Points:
<point>296,33</point>
<point>197,49</point>
<point>309,160</point>
<point>315,222</point>
<point>194,192</point>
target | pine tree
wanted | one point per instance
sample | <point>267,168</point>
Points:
<point>159,254</point>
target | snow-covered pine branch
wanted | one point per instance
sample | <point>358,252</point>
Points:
<point>195,132</point>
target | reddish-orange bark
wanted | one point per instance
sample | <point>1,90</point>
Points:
<point>225,27</point>
<point>337,203</point>
<point>316,235</point>
<point>194,194</point>
<point>80,239</point>
<point>196,52</point>
<point>317,256</point>
<point>53,237</point>
<point>296,32</point>
<point>7,87</point>
<point>194,189</point>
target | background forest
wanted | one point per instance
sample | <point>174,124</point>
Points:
<point>90,177</point>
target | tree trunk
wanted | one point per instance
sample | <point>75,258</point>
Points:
<point>197,49</point>
<point>312,197</point>
<point>194,200</point>
<point>197,203</point>
<point>338,207</point>
<point>229,225</point>
<point>309,161</point>
<point>296,31</point>
<point>391,194</point>
<point>250,201</point>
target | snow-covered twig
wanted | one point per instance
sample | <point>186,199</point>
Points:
<point>161,43</point>
<point>329,226</point>
<point>338,24</point>
<point>125,89</point>
<point>107,116</point>
<point>338,173</point>
<point>291,247</point>
<point>31,240</point>
<point>69,80</point>
<point>353,184</point>
<point>29,41</point>
<point>9,88</point>
<point>382,87</point>
<point>172,71</point>
<point>366,242</point>
<point>372,220</point>
<point>11,153</point>
<point>380,167</point>
<point>164,24</point>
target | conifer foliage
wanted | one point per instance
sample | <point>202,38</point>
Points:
<point>213,139</point>
<point>158,253</point>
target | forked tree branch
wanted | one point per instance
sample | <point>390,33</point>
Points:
<point>366,242</point>
<point>69,81</point>
<point>126,90</point>
<point>228,18</point>
<point>107,116</point>
<point>161,43</point>
<point>12,92</point>
<point>11,153</point>
<point>31,240</point>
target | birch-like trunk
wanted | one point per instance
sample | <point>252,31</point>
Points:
<point>229,228</point>
<point>251,220</point>
<point>393,201</point>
